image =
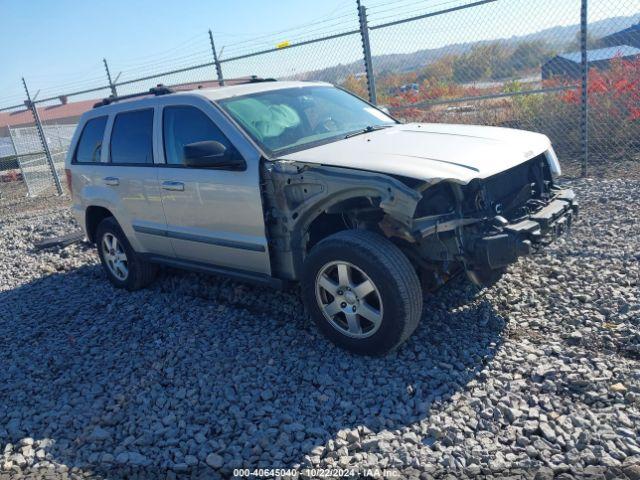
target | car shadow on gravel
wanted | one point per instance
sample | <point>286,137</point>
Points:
<point>198,369</point>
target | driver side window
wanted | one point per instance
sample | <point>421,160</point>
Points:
<point>182,125</point>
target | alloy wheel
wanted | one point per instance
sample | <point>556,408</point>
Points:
<point>349,299</point>
<point>115,257</point>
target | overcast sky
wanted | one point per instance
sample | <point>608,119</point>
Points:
<point>58,45</point>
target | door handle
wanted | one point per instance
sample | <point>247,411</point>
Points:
<point>176,186</point>
<point>111,181</point>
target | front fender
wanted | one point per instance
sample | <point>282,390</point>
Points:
<point>297,193</point>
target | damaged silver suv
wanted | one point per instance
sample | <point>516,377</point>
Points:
<point>280,182</point>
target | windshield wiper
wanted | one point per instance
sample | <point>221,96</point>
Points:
<point>367,129</point>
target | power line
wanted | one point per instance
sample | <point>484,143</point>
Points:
<point>326,31</point>
<point>101,79</point>
<point>342,6</point>
<point>128,76</point>
<point>289,30</point>
<point>182,59</point>
<point>166,53</point>
<point>407,13</point>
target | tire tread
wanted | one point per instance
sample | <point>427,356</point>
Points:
<point>143,273</point>
<point>400,270</point>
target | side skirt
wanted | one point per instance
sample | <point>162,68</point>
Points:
<point>241,275</point>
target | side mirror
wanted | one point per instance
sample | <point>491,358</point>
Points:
<point>212,154</point>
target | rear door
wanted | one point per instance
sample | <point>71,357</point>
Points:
<point>214,216</point>
<point>132,174</point>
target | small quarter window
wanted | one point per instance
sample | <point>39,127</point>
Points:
<point>132,138</point>
<point>90,143</point>
<point>183,125</point>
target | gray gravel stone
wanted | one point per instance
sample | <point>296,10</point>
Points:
<point>99,435</point>
<point>547,432</point>
<point>214,460</point>
<point>199,373</point>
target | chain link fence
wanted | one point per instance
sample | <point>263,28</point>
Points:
<point>12,182</point>
<point>496,81</point>
<point>35,169</point>
<point>614,87</point>
<point>310,61</point>
<point>567,69</point>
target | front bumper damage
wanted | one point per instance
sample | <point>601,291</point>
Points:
<point>443,227</point>
<point>508,241</point>
<point>483,245</point>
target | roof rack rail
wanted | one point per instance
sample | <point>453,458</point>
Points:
<point>256,79</point>
<point>157,90</point>
<point>183,87</point>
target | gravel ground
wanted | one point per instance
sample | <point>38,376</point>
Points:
<point>537,376</point>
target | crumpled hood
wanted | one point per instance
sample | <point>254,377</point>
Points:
<point>430,151</point>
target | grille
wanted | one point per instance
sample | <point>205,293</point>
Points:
<point>505,184</point>
<point>507,192</point>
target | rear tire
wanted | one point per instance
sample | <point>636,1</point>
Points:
<point>362,292</point>
<point>124,267</point>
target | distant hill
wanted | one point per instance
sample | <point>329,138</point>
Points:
<point>559,38</point>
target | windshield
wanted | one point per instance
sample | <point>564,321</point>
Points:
<point>296,118</point>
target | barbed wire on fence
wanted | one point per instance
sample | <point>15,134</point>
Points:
<point>514,63</point>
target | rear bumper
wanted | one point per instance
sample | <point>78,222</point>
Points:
<point>508,241</point>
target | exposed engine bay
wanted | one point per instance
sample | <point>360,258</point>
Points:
<point>443,226</point>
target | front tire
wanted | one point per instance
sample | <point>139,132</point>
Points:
<point>362,292</point>
<point>123,266</point>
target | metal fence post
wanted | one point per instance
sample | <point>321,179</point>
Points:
<point>216,61</point>
<point>112,85</point>
<point>366,49</point>
<point>43,138</point>
<point>584,97</point>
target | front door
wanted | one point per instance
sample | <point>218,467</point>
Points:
<point>214,216</point>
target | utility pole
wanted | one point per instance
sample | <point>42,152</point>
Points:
<point>216,61</point>
<point>43,139</point>
<point>112,85</point>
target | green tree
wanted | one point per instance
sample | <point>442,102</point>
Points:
<point>440,70</point>
<point>592,42</point>
<point>528,55</point>
<point>482,62</point>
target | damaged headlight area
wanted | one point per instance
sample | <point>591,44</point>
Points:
<point>487,224</point>
<point>444,227</point>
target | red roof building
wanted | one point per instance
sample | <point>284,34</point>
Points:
<point>63,113</point>
<point>70,112</point>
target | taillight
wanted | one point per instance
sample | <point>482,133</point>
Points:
<point>67,173</point>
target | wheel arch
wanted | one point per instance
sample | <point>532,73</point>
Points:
<point>300,197</point>
<point>337,217</point>
<point>330,207</point>
<point>95,214</point>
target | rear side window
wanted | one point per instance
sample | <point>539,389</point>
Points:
<point>184,125</point>
<point>132,138</point>
<point>90,143</point>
